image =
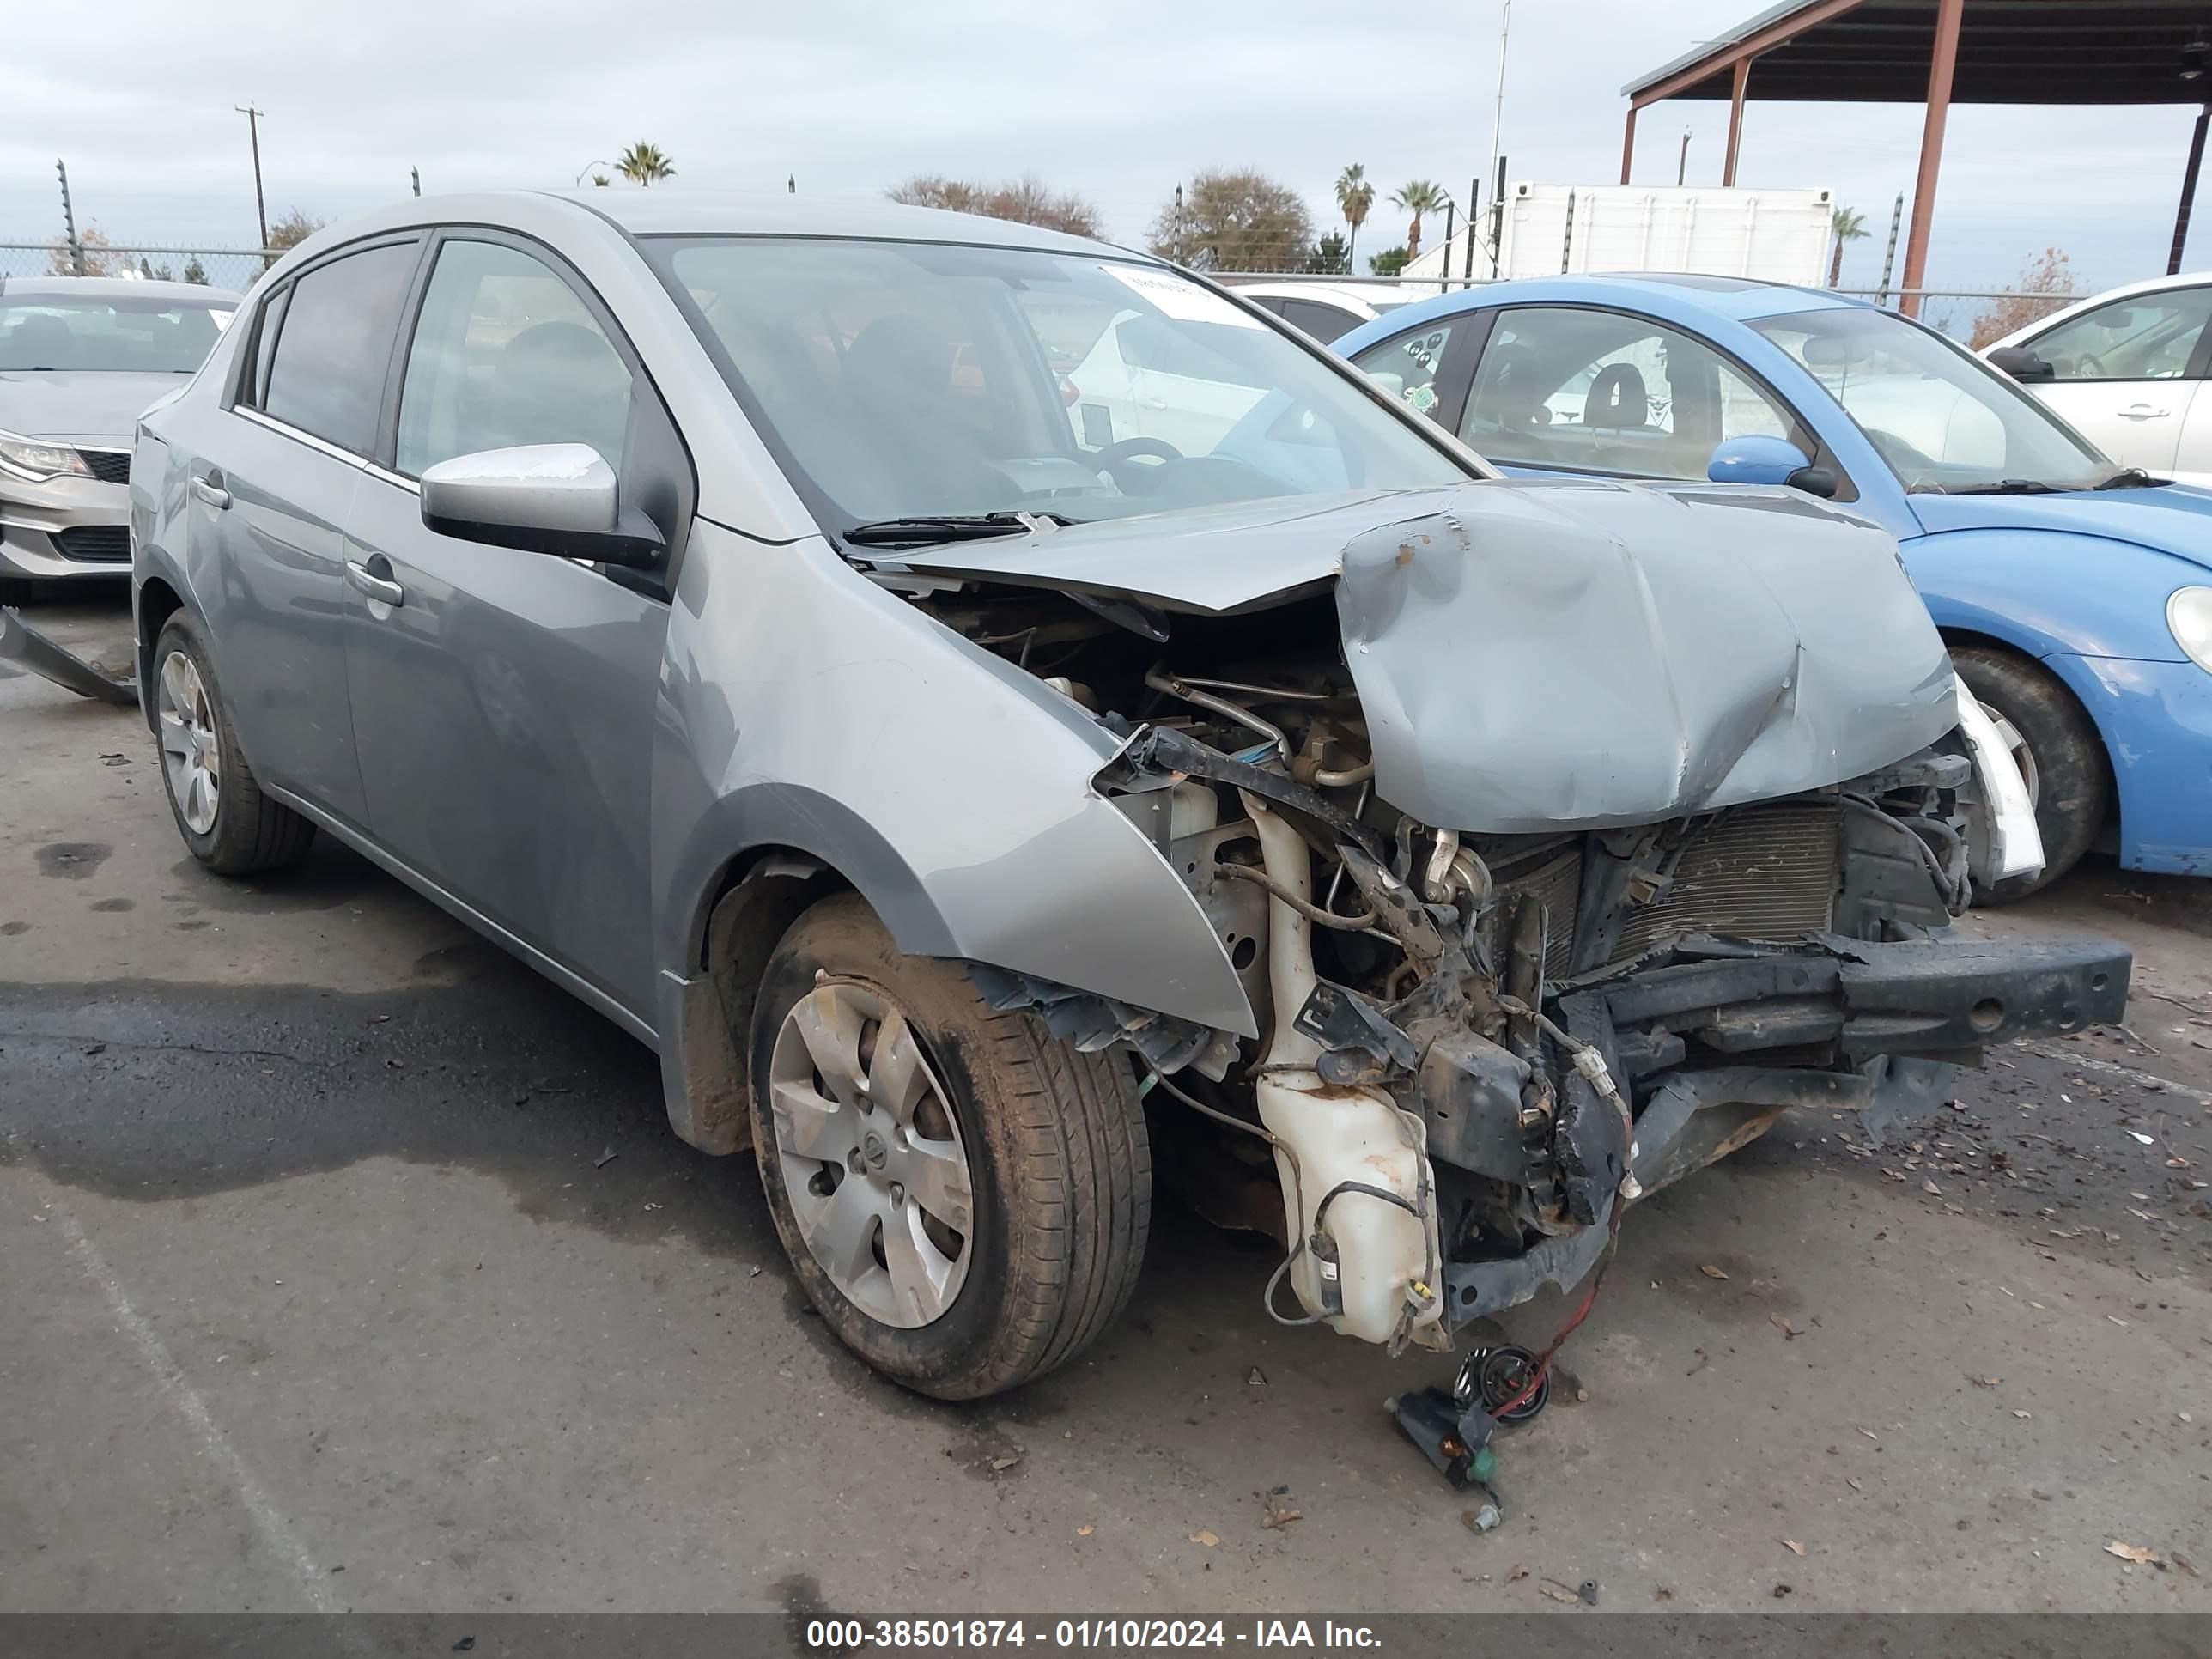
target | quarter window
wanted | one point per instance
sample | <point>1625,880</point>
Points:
<point>2150,338</point>
<point>1407,366</point>
<point>1575,388</point>
<point>506,352</point>
<point>327,374</point>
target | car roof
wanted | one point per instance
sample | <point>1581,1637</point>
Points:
<point>665,212</point>
<point>112,287</point>
<point>2089,302</point>
<point>1662,294</point>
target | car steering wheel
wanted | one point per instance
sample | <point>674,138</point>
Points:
<point>1129,449</point>
<point>2088,366</point>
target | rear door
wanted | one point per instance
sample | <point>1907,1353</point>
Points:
<point>273,484</point>
<point>2126,374</point>
<point>503,699</point>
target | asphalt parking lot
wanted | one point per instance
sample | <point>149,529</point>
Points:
<point>350,1266</point>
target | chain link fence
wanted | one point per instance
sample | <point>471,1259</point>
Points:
<point>233,268</point>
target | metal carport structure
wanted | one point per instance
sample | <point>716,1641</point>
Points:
<point>1990,51</point>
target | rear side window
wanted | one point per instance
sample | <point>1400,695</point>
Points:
<point>327,376</point>
<point>1324,323</point>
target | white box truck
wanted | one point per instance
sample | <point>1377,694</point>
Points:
<point>1771,235</point>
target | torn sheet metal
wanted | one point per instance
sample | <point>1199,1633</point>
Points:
<point>1562,652</point>
<point>1591,654</point>
<point>20,642</point>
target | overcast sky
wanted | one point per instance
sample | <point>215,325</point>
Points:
<point>1116,99</point>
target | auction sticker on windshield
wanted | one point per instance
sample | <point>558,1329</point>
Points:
<point>1185,301</point>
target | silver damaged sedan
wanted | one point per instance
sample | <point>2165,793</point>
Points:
<point>994,772</point>
<point>80,357</point>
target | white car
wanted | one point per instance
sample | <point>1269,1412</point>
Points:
<point>1328,311</point>
<point>2126,368</point>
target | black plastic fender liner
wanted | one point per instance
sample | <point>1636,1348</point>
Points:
<point>20,642</point>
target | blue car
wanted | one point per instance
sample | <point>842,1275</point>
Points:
<point>2076,594</point>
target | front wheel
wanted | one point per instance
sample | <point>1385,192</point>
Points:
<point>229,823</point>
<point>964,1196</point>
<point>2059,753</point>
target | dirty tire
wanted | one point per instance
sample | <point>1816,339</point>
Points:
<point>1059,1161</point>
<point>250,832</point>
<point>2074,778</point>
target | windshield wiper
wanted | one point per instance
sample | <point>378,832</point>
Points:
<point>2131,477</point>
<point>947,527</point>
<point>2003,487</point>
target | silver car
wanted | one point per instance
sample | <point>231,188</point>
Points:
<point>80,357</point>
<point>983,804</point>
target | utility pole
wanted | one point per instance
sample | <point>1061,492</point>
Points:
<point>415,173</point>
<point>1504,36</point>
<point>1682,166</point>
<point>260,204</point>
<point>1178,223</point>
<point>69,222</point>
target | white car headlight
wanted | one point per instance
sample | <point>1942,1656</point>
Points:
<point>2189,615</point>
<point>36,459</point>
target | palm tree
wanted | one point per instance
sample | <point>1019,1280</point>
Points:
<point>1421,196</point>
<point>1849,225</point>
<point>644,164</point>
<point>1354,195</point>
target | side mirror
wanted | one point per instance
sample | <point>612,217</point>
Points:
<point>560,499</point>
<point>1815,481</point>
<point>1756,458</point>
<point>2021,364</point>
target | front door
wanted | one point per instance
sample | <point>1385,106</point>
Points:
<point>272,486</point>
<point>2121,373</point>
<point>503,699</point>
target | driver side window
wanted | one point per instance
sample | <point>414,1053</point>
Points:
<point>505,353</point>
<point>1578,388</point>
<point>2149,337</point>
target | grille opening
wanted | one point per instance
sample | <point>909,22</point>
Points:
<point>95,543</point>
<point>108,465</point>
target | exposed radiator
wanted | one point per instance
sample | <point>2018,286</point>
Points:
<point>1768,871</point>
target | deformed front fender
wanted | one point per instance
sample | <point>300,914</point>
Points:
<point>804,706</point>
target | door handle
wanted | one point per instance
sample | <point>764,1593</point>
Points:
<point>2143,412</point>
<point>210,490</point>
<point>378,587</point>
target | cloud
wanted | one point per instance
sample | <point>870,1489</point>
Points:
<point>1116,100</point>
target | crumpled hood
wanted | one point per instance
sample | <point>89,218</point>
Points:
<point>75,405</point>
<point>1536,654</point>
<point>2174,518</point>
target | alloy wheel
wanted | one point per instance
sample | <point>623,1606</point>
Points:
<point>191,753</point>
<point>872,1155</point>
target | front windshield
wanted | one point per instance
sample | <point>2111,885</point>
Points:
<point>124,334</point>
<point>904,380</point>
<point>1941,418</point>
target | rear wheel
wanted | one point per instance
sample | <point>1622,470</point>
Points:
<point>229,823</point>
<point>2059,755</point>
<point>964,1196</point>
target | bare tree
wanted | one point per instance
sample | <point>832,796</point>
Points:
<point>2046,285</point>
<point>98,260</point>
<point>1027,200</point>
<point>294,229</point>
<point>1235,220</point>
